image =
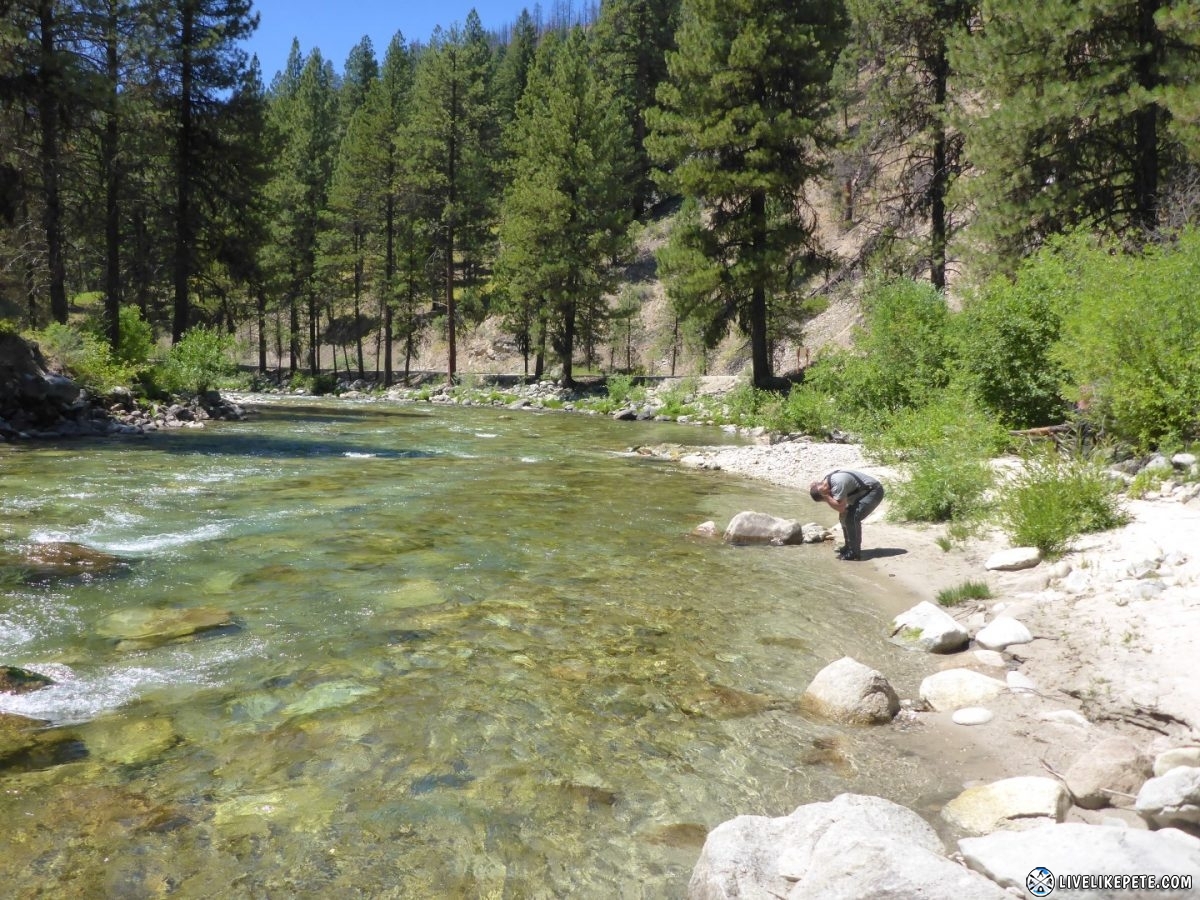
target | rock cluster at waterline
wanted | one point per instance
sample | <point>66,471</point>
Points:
<point>36,404</point>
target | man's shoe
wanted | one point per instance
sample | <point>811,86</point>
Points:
<point>851,557</point>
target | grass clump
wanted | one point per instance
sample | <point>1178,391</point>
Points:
<point>1054,500</point>
<point>968,590</point>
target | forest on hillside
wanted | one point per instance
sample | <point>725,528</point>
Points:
<point>151,177</point>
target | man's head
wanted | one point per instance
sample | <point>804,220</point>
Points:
<point>816,490</point>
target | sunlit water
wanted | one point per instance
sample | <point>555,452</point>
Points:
<point>477,653</point>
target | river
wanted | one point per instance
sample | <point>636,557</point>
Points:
<point>472,653</point>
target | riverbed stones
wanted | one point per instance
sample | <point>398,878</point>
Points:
<point>956,688</point>
<point>1108,774</point>
<point>1171,800</point>
<point>14,680</point>
<point>848,691</point>
<point>1020,802</point>
<point>141,626</point>
<point>928,627</point>
<point>1002,632</point>
<point>762,528</point>
<point>1013,559</point>
<point>850,847</point>
<point>1006,857</point>
<point>60,559</point>
<point>129,741</point>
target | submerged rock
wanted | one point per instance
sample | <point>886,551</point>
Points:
<point>61,559</point>
<point>20,681</point>
<point>140,627</point>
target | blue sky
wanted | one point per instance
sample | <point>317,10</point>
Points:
<point>334,26</point>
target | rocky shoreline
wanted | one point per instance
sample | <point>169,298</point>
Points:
<point>1065,703</point>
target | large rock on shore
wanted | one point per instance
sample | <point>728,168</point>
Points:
<point>1016,803</point>
<point>854,846</point>
<point>1172,799</point>
<point>1007,857</point>
<point>1111,770</point>
<point>761,528</point>
<point>956,688</point>
<point>930,628</point>
<point>848,691</point>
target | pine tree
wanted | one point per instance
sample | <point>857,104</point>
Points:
<point>906,150</point>
<point>633,39</point>
<point>566,213</point>
<point>304,114</point>
<point>206,64</point>
<point>447,134</point>
<point>1077,102</point>
<point>741,127</point>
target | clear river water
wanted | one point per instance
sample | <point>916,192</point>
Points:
<point>468,653</point>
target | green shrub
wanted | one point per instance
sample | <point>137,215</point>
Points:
<point>944,483</point>
<point>808,410</point>
<point>198,362</point>
<point>135,342</point>
<point>619,388</point>
<point>84,357</point>
<point>1005,335</point>
<point>1129,341</point>
<point>1055,499</point>
<point>951,420</point>
<point>968,590</point>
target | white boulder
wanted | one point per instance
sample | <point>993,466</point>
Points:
<point>762,528</point>
<point>1001,632</point>
<point>1171,799</point>
<point>930,628</point>
<point>848,691</point>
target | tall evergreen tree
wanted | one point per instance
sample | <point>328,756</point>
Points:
<point>566,214</point>
<point>633,39</point>
<point>304,113</point>
<point>908,151</point>
<point>447,134</point>
<point>1077,103</point>
<point>741,124</point>
<point>207,62</point>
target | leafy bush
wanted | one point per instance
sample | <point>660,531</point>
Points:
<point>84,357</point>
<point>198,362</point>
<point>944,483</point>
<point>1129,341</point>
<point>951,421</point>
<point>808,410</point>
<point>619,388</point>
<point>1055,499</point>
<point>135,342</point>
<point>904,351</point>
<point>1005,337</point>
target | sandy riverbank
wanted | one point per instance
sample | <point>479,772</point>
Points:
<point>1116,626</point>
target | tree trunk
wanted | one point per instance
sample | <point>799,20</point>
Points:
<point>49,109</point>
<point>759,355</point>
<point>938,184</point>
<point>183,178</point>
<point>110,148</point>
<point>1146,119</point>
